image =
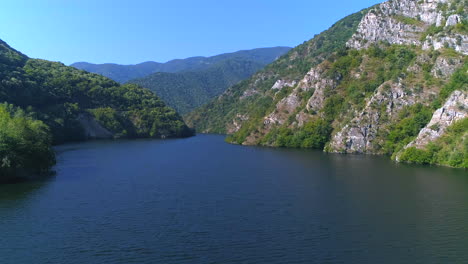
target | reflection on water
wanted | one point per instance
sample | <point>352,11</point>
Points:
<point>16,192</point>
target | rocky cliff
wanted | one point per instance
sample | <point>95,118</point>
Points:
<point>394,78</point>
<point>92,128</point>
<point>451,112</point>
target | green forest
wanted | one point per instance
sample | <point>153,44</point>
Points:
<point>124,73</point>
<point>25,144</point>
<point>186,91</point>
<point>49,99</point>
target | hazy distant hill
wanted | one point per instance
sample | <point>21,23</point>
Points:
<point>186,91</point>
<point>124,73</point>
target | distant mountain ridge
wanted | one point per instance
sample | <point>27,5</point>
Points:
<point>185,91</point>
<point>124,73</point>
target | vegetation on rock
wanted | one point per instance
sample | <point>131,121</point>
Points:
<point>254,96</point>
<point>450,150</point>
<point>355,88</point>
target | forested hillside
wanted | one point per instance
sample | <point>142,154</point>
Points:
<point>49,102</point>
<point>187,90</point>
<point>189,83</point>
<point>258,94</point>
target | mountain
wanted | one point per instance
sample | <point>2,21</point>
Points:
<point>190,83</point>
<point>390,79</point>
<point>124,73</point>
<point>66,98</point>
<point>48,102</point>
<point>187,90</point>
<point>117,72</point>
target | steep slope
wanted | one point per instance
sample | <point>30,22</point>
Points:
<point>444,140</point>
<point>124,73</point>
<point>187,90</point>
<point>388,70</point>
<point>249,101</point>
<point>66,99</point>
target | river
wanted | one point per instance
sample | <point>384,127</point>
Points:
<point>200,200</point>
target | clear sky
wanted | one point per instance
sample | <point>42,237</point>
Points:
<point>133,31</point>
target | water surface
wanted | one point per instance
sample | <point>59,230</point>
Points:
<point>200,200</point>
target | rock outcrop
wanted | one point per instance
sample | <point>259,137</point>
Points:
<point>359,135</point>
<point>236,124</point>
<point>400,55</point>
<point>457,42</point>
<point>404,22</point>
<point>387,23</point>
<point>280,84</point>
<point>444,67</point>
<point>453,20</point>
<point>454,109</point>
<point>284,108</point>
<point>315,80</point>
<point>376,27</point>
<point>92,129</point>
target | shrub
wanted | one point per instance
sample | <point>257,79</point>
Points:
<point>451,149</point>
<point>415,155</point>
<point>25,144</point>
<point>411,121</point>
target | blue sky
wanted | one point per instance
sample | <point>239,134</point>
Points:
<point>133,31</point>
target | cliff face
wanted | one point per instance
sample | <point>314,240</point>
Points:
<point>401,63</point>
<point>452,111</point>
<point>92,128</point>
<point>404,22</point>
<point>386,24</point>
<point>360,135</point>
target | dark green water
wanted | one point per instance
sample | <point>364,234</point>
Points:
<point>199,200</point>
